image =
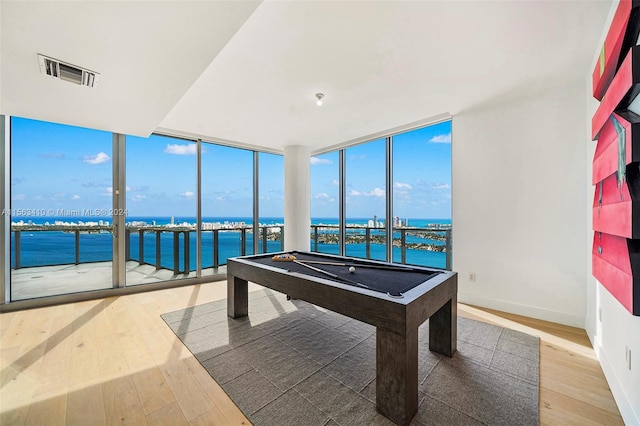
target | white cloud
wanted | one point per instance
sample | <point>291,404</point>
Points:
<point>335,182</point>
<point>93,184</point>
<point>143,188</point>
<point>188,194</point>
<point>316,160</point>
<point>18,197</point>
<point>99,158</point>
<point>400,185</point>
<point>323,198</point>
<point>178,149</point>
<point>138,197</point>
<point>441,138</point>
<point>108,191</point>
<point>75,197</point>
<point>376,192</point>
<point>358,157</point>
<point>441,186</point>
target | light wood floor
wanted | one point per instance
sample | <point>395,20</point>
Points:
<point>115,361</point>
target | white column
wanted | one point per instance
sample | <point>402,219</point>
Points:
<point>5,205</point>
<point>297,198</point>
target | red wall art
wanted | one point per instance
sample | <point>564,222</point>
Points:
<point>616,163</point>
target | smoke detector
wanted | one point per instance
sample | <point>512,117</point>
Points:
<point>67,72</point>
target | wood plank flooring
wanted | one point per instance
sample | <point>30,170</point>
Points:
<point>114,361</point>
<point>573,389</point>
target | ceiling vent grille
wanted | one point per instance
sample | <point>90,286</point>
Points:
<point>67,72</point>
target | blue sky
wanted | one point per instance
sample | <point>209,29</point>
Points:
<point>59,167</point>
<point>421,177</point>
<point>63,167</point>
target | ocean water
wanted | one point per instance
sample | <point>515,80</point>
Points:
<point>41,248</point>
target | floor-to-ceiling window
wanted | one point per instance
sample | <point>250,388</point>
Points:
<point>416,166</point>
<point>271,202</point>
<point>422,195</point>
<point>161,209</point>
<point>64,230</point>
<point>366,200</point>
<point>227,204</point>
<point>325,207</point>
<point>60,209</point>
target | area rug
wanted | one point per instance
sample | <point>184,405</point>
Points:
<point>293,363</point>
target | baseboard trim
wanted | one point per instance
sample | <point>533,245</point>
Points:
<point>624,405</point>
<point>525,310</point>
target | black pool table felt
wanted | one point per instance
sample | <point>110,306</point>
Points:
<point>395,280</point>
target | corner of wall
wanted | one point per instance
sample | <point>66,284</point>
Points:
<point>522,309</point>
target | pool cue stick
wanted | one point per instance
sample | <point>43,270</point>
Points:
<point>356,262</point>
<point>322,271</point>
<point>361,265</point>
<point>319,262</point>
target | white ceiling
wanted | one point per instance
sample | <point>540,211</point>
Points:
<point>247,72</point>
<point>148,54</point>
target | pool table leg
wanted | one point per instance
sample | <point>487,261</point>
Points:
<point>443,326</point>
<point>397,375</point>
<point>237,297</point>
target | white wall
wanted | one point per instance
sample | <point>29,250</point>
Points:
<point>610,337</point>
<point>522,222</point>
<point>519,204</point>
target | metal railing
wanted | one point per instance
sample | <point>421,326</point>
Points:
<point>181,256</point>
<point>185,232</point>
<point>75,230</point>
<point>320,234</point>
<point>369,236</point>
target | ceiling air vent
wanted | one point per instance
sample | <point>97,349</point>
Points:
<point>67,72</point>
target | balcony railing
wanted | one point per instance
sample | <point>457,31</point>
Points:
<point>138,246</point>
<point>182,258</point>
<point>44,260</point>
<point>439,241</point>
<point>144,244</point>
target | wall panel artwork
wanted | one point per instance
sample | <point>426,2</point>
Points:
<point>616,163</point>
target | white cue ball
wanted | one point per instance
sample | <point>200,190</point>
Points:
<point>352,269</point>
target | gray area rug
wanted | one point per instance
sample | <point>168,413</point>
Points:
<point>293,363</point>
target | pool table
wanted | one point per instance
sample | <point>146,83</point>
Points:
<point>394,298</point>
